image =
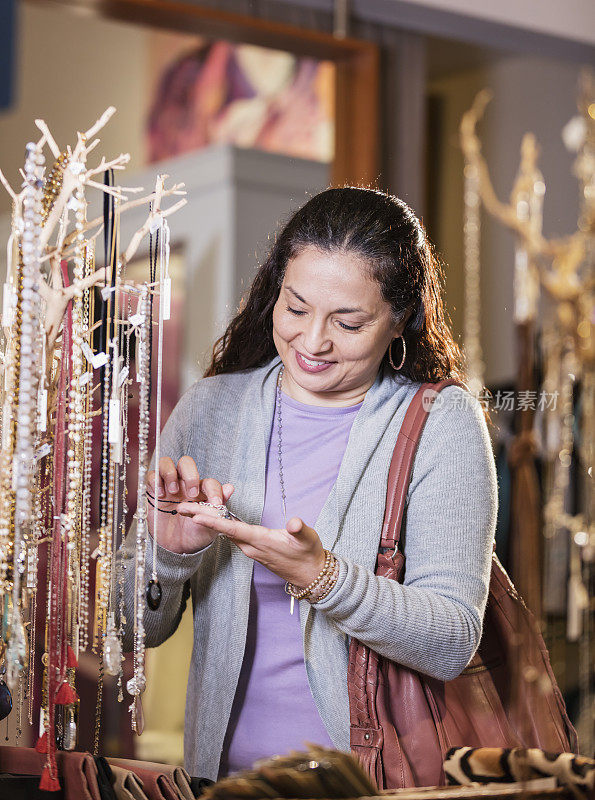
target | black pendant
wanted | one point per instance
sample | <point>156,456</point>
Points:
<point>154,595</point>
<point>5,700</point>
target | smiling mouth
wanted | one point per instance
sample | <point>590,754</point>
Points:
<point>312,364</point>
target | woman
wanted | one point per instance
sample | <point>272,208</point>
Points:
<point>293,429</point>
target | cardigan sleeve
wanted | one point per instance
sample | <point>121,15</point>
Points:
<point>433,621</point>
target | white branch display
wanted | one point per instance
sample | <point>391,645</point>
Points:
<point>63,364</point>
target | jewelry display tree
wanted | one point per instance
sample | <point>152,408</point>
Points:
<point>67,359</point>
<point>552,525</point>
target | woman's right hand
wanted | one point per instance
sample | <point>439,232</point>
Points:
<point>184,486</point>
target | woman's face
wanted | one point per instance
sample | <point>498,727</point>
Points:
<point>331,328</point>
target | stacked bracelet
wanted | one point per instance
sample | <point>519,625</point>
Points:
<point>301,594</point>
<point>321,585</point>
<point>326,586</point>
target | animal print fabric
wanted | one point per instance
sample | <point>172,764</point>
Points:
<point>467,765</point>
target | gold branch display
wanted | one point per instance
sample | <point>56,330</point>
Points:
<point>55,380</point>
<point>558,274</point>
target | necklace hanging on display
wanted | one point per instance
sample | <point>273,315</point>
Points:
<point>112,648</point>
<point>139,715</point>
<point>5,700</point>
<point>69,734</point>
<point>153,591</point>
<point>154,594</point>
<point>47,410</point>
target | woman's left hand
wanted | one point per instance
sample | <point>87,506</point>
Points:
<point>295,554</point>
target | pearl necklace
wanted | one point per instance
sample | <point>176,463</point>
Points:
<point>26,416</point>
<point>136,685</point>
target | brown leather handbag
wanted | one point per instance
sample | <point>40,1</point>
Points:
<point>402,722</point>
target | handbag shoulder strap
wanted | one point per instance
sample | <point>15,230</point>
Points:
<point>401,464</point>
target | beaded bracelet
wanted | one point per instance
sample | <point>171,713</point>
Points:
<point>302,594</point>
<point>327,586</point>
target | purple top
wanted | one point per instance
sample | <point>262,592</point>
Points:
<point>273,710</point>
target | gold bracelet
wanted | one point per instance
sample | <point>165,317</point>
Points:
<point>301,594</point>
<point>328,578</point>
<point>319,589</point>
<point>327,586</point>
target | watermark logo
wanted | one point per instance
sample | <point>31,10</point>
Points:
<point>431,399</point>
<point>500,401</point>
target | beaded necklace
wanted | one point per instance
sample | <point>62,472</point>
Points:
<point>136,684</point>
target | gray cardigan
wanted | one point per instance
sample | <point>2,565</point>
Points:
<point>432,623</point>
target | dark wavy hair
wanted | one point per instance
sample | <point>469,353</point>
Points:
<point>387,235</point>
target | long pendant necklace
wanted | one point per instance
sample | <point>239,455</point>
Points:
<point>136,685</point>
<point>154,592</point>
<point>323,584</point>
<point>280,457</point>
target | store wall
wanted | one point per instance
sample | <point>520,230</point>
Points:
<point>575,19</point>
<point>530,94</point>
<point>70,68</point>
<point>449,98</point>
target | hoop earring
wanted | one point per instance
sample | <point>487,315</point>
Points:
<point>390,357</point>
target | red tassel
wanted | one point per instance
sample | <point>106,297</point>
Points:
<point>66,695</point>
<point>47,783</point>
<point>71,658</point>
<point>42,743</point>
